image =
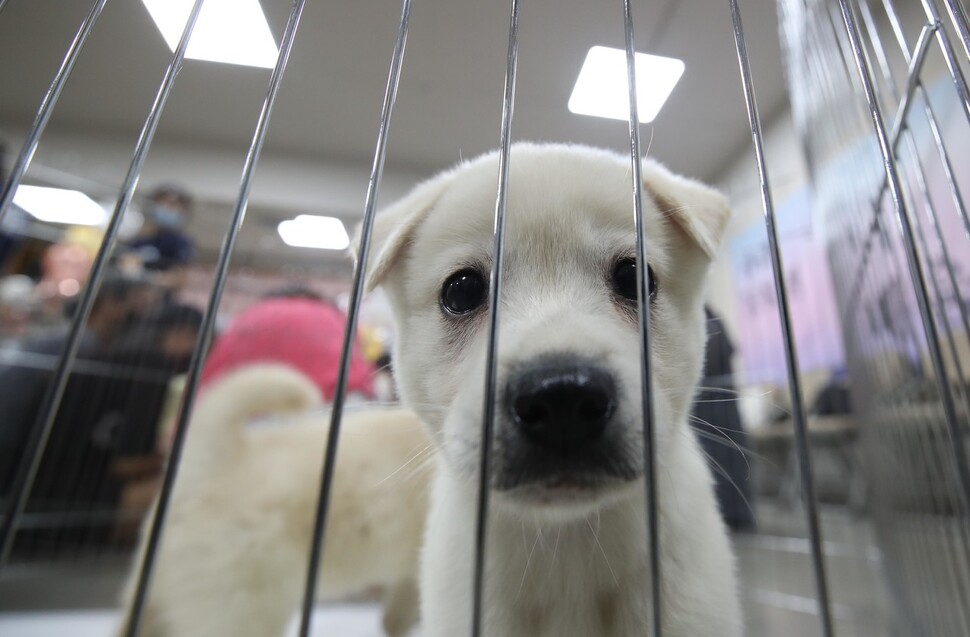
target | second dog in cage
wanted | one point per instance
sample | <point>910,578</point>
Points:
<point>240,520</point>
<point>566,553</point>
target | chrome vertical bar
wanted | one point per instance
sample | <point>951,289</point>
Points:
<point>956,567</point>
<point>784,315</point>
<point>958,15</point>
<point>912,81</point>
<point>931,119</point>
<point>494,294</point>
<point>47,105</point>
<point>949,56</point>
<point>55,390</point>
<point>957,551</point>
<point>912,257</point>
<point>915,64</point>
<point>955,192</point>
<point>643,313</point>
<point>208,325</point>
<point>356,294</point>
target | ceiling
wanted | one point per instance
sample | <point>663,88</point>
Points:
<point>449,103</point>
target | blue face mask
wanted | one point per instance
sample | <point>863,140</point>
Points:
<point>166,217</point>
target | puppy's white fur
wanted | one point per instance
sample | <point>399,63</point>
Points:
<point>563,564</point>
<point>237,536</point>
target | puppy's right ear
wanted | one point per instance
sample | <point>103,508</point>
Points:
<point>394,229</point>
<point>700,211</point>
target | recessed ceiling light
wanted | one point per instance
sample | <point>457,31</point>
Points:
<point>56,205</point>
<point>230,31</point>
<point>313,231</point>
<point>601,88</point>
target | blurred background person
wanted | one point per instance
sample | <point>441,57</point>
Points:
<point>162,243</point>
<point>16,308</point>
<point>107,424</point>
<point>717,422</point>
<point>162,246</point>
<point>294,326</point>
<point>28,366</point>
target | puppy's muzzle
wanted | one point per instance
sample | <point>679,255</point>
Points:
<point>562,430</point>
<point>561,405</point>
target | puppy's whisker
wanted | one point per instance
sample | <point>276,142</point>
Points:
<point>555,548</point>
<point>701,421</point>
<point>424,450</point>
<point>719,439</point>
<point>421,466</point>
<point>602,550</point>
<point>723,472</point>
<point>715,389</point>
<point>649,142</point>
<point>672,210</point>
<point>387,404</point>
<point>528,561</point>
<point>749,453</point>
<point>728,390</point>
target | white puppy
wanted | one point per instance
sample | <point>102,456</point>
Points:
<point>566,550</point>
<point>237,535</point>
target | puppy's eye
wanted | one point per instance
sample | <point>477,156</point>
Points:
<point>625,279</point>
<point>463,292</point>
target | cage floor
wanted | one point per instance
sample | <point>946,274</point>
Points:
<point>777,588</point>
<point>347,620</point>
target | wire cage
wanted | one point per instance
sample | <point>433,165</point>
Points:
<point>881,110</point>
<point>879,96</point>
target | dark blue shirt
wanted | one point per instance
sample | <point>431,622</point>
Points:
<point>164,250</point>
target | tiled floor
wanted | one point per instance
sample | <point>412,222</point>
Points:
<point>346,620</point>
<point>778,589</point>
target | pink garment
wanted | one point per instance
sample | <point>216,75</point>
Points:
<point>303,333</point>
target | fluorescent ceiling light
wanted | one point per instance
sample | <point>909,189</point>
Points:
<point>601,88</point>
<point>312,231</point>
<point>230,31</point>
<point>56,205</point>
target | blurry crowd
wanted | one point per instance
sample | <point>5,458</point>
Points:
<point>111,432</point>
<point>136,338</point>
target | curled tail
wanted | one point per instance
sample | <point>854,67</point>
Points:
<point>253,391</point>
<point>214,439</point>
<point>239,397</point>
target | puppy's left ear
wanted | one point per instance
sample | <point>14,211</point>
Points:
<point>700,211</point>
<point>394,228</point>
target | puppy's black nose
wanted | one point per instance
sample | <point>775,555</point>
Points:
<point>560,405</point>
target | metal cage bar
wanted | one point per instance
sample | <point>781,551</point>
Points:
<point>956,547</point>
<point>27,470</point>
<point>958,15</point>
<point>915,62</point>
<point>912,256</point>
<point>917,519</point>
<point>494,292</point>
<point>340,391</point>
<point>957,581</point>
<point>47,105</point>
<point>870,228</point>
<point>643,316</point>
<point>207,328</point>
<point>788,336</point>
<point>946,48</point>
<point>931,118</point>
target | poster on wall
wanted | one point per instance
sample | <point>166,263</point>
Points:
<point>878,285</point>
<point>810,297</point>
